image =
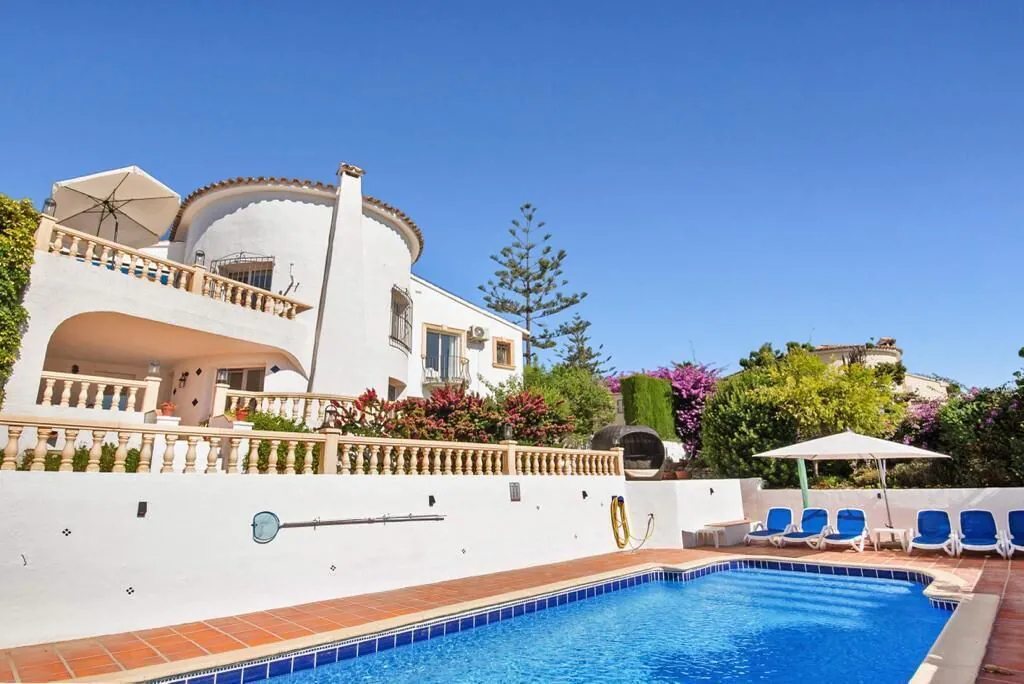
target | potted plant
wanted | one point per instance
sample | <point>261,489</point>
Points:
<point>167,408</point>
<point>242,413</point>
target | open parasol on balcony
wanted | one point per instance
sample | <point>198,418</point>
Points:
<point>125,205</point>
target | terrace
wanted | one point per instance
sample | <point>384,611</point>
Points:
<point>154,653</point>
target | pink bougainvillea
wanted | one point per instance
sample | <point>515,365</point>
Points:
<point>692,385</point>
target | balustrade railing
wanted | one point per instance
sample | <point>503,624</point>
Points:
<point>36,444</point>
<point>308,407</point>
<point>91,392</point>
<point>95,251</point>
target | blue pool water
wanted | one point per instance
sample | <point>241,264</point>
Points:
<point>737,626</point>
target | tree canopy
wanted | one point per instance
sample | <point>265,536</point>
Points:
<point>528,283</point>
<point>785,398</point>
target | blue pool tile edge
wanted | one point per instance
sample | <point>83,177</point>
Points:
<point>260,669</point>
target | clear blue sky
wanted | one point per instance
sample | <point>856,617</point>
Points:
<point>721,173</point>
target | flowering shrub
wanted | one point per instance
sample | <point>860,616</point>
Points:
<point>692,386</point>
<point>455,415</point>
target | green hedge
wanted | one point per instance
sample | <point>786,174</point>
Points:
<point>648,401</point>
<point>18,223</point>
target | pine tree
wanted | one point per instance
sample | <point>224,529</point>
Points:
<point>528,283</point>
<point>576,351</point>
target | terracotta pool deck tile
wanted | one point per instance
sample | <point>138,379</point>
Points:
<point>84,667</point>
<point>43,673</point>
<point>131,660</point>
<point>256,637</point>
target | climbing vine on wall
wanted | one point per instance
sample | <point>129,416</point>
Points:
<point>18,222</point>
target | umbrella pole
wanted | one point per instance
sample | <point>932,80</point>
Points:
<point>801,469</point>
<point>885,492</point>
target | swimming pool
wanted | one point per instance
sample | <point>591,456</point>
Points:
<point>729,622</point>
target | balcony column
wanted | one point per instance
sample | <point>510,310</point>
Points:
<point>220,399</point>
<point>152,393</point>
<point>44,233</point>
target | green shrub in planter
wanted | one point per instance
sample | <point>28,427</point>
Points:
<point>648,401</point>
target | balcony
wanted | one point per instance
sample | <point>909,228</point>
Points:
<point>99,253</point>
<point>445,371</point>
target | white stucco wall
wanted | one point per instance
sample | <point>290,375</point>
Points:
<point>193,557</point>
<point>680,505</point>
<point>435,307</point>
<point>904,503</point>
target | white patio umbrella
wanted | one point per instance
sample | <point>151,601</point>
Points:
<point>849,446</point>
<point>124,205</point>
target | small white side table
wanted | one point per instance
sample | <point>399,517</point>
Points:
<point>899,534</point>
<point>713,532</point>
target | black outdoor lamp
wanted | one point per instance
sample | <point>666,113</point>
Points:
<point>200,258</point>
<point>222,376</point>
<point>49,206</point>
<point>330,416</point>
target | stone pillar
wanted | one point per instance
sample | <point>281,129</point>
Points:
<point>220,399</point>
<point>329,454</point>
<point>198,278</point>
<point>152,394</point>
<point>44,233</point>
<point>508,466</point>
<point>620,466</point>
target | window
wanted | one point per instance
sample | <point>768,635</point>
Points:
<point>503,357</point>
<point>247,379</point>
<point>251,269</point>
<point>401,318</point>
<point>443,360</point>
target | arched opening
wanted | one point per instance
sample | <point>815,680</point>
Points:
<point>112,363</point>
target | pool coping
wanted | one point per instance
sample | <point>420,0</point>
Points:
<point>955,656</point>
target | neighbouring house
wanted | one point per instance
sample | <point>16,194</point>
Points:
<point>884,351</point>
<point>224,312</point>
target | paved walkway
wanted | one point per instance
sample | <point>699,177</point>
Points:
<point>115,655</point>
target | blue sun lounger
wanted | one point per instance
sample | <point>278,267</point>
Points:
<point>1014,532</point>
<point>813,525</point>
<point>978,532</point>
<point>776,523</point>
<point>851,530</point>
<point>934,532</point>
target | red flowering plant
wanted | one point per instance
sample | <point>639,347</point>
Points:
<point>449,414</point>
<point>452,414</point>
<point>532,421</point>
<point>368,415</point>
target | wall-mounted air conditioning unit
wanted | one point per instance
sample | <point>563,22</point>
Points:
<point>477,333</point>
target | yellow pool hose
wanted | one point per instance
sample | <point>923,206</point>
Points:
<point>620,524</point>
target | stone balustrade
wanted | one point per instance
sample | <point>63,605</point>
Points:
<point>88,392</point>
<point>34,442</point>
<point>95,251</point>
<point>310,408</point>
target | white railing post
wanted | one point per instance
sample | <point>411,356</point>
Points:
<point>44,233</point>
<point>508,467</point>
<point>220,399</point>
<point>152,393</point>
<point>620,467</point>
<point>329,452</point>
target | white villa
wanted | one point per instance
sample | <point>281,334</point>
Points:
<point>277,293</point>
<point>884,351</point>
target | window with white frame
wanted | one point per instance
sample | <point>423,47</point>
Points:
<point>443,359</point>
<point>246,379</point>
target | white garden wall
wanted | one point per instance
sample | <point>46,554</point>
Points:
<point>192,555</point>
<point>904,503</point>
<point>680,506</point>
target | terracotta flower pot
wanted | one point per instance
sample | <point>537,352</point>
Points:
<point>682,475</point>
<point>167,409</point>
<point>242,414</point>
